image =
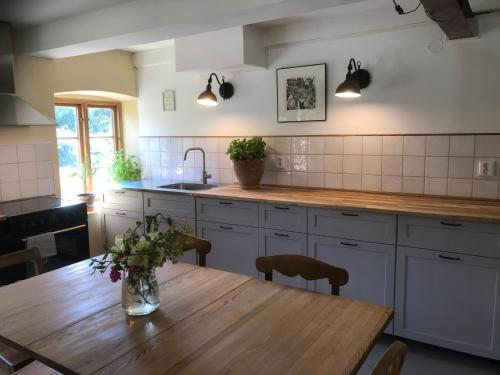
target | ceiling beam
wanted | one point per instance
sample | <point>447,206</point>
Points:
<point>455,17</point>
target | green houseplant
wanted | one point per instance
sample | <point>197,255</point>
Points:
<point>125,167</point>
<point>248,156</point>
<point>87,171</point>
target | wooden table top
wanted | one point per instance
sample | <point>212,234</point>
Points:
<point>209,322</point>
<point>402,204</point>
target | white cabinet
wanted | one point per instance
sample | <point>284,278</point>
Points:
<point>118,222</point>
<point>448,299</point>
<point>234,247</point>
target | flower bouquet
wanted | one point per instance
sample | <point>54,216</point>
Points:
<point>134,257</point>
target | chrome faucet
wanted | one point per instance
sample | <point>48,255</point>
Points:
<point>206,176</point>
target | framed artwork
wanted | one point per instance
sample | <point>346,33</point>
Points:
<point>301,93</point>
<point>168,100</point>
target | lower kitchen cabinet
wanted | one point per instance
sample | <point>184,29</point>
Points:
<point>449,299</point>
<point>370,266</point>
<point>189,256</point>
<point>118,222</point>
<point>234,247</point>
<point>274,242</point>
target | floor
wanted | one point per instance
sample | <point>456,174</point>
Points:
<point>425,359</point>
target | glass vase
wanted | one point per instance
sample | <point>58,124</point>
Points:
<point>140,295</point>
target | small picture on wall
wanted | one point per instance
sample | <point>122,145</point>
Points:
<point>168,100</point>
<point>301,92</point>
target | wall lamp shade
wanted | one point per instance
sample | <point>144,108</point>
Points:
<point>356,79</point>
<point>208,98</point>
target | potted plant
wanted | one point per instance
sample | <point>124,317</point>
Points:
<point>134,257</point>
<point>86,172</point>
<point>125,168</point>
<point>248,160</point>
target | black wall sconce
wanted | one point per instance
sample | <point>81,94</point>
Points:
<point>356,79</point>
<point>208,98</point>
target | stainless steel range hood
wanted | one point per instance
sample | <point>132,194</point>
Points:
<point>14,111</point>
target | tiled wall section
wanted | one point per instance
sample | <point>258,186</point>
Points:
<point>26,171</point>
<point>432,164</point>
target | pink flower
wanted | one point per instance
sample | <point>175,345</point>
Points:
<point>115,274</point>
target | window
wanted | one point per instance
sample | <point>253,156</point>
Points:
<point>87,139</point>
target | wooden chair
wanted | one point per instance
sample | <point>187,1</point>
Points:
<point>10,359</point>
<point>201,246</point>
<point>37,368</point>
<point>308,268</point>
<point>392,360</point>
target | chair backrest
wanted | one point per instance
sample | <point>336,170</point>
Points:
<point>23,256</point>
<point>392,360</point>
<point>300,265</point>
<point>201,246</point>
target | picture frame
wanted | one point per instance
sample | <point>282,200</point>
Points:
<point>168,100</point>
<point>301,93</point>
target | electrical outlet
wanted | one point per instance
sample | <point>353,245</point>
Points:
<point>279,163</point>
<point>486,168</point>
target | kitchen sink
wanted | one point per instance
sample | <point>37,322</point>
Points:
<point>187,186</point>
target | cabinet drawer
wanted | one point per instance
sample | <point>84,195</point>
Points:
<point>275,242</point>
<point>234,247</point>
<point>363,226</point>
<point>118,222</point>
<point>449,300</point>
<point>284,217</point>
<point>178,205</point>
<point>120,199</point>
<point>450,235</point>
<point>227,211</point>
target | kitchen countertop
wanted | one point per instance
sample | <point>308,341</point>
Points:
<point>400,204</point>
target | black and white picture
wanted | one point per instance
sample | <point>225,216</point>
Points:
<point>301,93</point>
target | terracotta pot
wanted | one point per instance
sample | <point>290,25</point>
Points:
<point>89,199</point>
<point>249,172</point>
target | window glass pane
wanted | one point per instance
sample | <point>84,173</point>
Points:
<point>101,155</point>
<point>69,166</point>
<point>100,121</point>
<point>67,120</point>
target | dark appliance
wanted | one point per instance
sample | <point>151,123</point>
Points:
<point>28,217</point>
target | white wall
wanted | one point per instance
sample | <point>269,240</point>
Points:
<point>456,90</point>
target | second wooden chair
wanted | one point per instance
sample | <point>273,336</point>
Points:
<point>201,246</point>
<point>299,265</point>
<point>392,360</point>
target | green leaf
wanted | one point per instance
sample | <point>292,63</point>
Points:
<point>247,149</point>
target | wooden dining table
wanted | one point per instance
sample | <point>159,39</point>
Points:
<point>209,322</point>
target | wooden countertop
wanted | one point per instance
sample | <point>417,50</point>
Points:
<point>403,204</point>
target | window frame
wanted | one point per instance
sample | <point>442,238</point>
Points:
<point>82,106</point>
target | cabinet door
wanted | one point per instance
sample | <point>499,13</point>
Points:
<point>449,300</point>
<point>169,204</point>
<point>283,217</point>
<point>274,242</point>
<point>370,267</point>
<point>118,222</point>
<point>121,199</point>
<point>234,247</point>
<point>227,211</point>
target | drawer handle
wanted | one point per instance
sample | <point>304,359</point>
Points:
<point>120,213</point>
<point>449,258</point>
<point>451,224</point>
<point>225,227</point>
<point>348,244</point>
<point>281,208</point>
<point>226,203</point>
<point>281,234</point>
<point>120,192</point>
<point>348,214</point>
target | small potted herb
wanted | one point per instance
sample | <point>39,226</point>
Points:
<point>125,168</point>
<point>248,159</point>
<point>85,173</point>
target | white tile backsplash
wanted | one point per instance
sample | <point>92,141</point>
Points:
<point>418,164</point>
<point>8,154</point>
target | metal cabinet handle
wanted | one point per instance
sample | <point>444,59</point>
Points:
<point>449,258</point>
<point>226,203</point>
<point>281,208</point>
<point>348,243</point>
<point>281,234</point>
<point>451,224</point>
<point>348,214</point>
<point>120,191</point>
<point>225,227</point>
<point>120,213</point>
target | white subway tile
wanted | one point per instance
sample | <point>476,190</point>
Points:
<point>29,188</point>
<point>44,169</point>
<point>459,187</point>
<point>43,151</point>
<point>372,165</point>
<point>165,144</point>
<point>413,166</point>
<point>333,163</point>
<point>413,185</point>
<point>351,181</point>
<point>283,178</point>
<point>487,146</point>
<point>485,189</point>
<point>315,163</point>
<point>462,145</point>
<point>155,158</point>
<point>27,171</point>
<point>154,144</point>
<point>372,145</point>
<point>299,178</point>
<point>45,186</point>
<point>299,163</point>
<point>315,145</point>
<point>187,143</point>
<point>436,166</point>
<point>392,184</point>
<point>226,176</point>
<point>283,145</point>
<point>9,172</point>
<point>226,162</point>
<point>352,164</point>
<point>270,145</point>
<point>269,178</point>
<point>143,145</point>
<point>209,144</point>
<point>392,145</point>
<point>414,145</point>
<point>461,167</point>
<point>26,153</point>
<point>8,154</point>
<point>353,145</point>
<point>316,180</point>
<point>212,160</point>
<point>392,165</point>
<point>436,186</point>
<point>371,183</point>
<point>10,190</point>
<point>333,180</point>
<point>334,145</point>
<point>437,145</point>
<point>299,145</point>
<point>176,144</point>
